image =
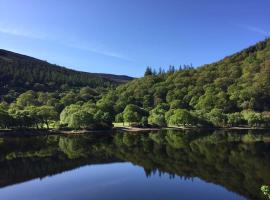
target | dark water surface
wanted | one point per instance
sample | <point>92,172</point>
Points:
<point>154,165</point>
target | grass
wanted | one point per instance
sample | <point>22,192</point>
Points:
<point>120,124</point>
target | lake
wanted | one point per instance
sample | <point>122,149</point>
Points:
<point>207,165</point>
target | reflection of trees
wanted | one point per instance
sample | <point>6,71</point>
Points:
<point>224,158</point>
<point>73,147</point>
<point>239,162</point>
<point>27,158</point>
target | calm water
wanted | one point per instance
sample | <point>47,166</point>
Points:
<point>155,165</point>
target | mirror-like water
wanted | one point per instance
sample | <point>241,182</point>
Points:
<point>154,165</point>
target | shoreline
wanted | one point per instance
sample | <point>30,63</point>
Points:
<point>44,132</point>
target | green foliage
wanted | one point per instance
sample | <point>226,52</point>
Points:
<point>133,113</point>
<point>220,90</point>
<point>26,99</point>
<point>148,72</point>
<point>266,191</point>
<point>235,119</point>
<point>231,92</point>
<point>253,118</point>
<point>181,117</point>
<point>21,72</point>
<point>217,117</point>
<point>5,119</point>
<point>119,118</point>
<point>85,116</point>
<point>157,115</point>
<point>144,121</point>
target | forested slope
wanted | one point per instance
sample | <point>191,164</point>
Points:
<point>22,72</point>
<point>33,93</point>
<point>235,85</point>
<point>232,92</point>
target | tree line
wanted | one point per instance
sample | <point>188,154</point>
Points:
<point>231,92</point>
<point>71,109</point>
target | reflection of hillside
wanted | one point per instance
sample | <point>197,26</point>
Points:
<point>239,162</point>
<point>28,158</point>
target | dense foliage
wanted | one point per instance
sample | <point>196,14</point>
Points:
<point>266,190</point>
<point>33,93</point>
<point>19,73</point>
<point>231,92</point>
<point>72,109</point>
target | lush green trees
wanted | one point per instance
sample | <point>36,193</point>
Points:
<point>85,116</point>
<point>81,119</point>
<point>47,114</point>
<point>26,99</point>
<point>233,85</point>
<point>25,73</point>
<point>69,98</point>
<point>87,93</point>
<point>231,92</point>
<point>235,119</point>
<point>181,117</point>
<point>253,118</point>
<point>106,103</point>
<point>266,191</point>
<point>119,118</point>
<point>144,121</point>
<point>217,117</point>
<point>157,115</point>
<point>133,113</point>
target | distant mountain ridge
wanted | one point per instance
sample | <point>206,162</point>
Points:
<point>17,70</point>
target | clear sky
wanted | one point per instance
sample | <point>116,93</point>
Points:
<point>125,36</point>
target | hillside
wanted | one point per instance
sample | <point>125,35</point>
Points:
<point>238,83</point>
<point>232,92</point>
<point>22,72</point>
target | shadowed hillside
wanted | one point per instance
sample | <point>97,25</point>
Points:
<point>23,72</point>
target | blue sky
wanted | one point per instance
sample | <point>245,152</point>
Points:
<point>125,36</point>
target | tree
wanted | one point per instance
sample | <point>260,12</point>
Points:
<point>103,119</point>
<point>133,113</point>
<point>65,115</point>
<point>130,116</point>
<point>87,93</point>
<point>217,117</point>
<point>81,119</point>
<point>5,119</point>
<point>157,116</point>
<point>235,119</point>
<point>182,117</point>
<point>69,98</point>
<point>119,118</point>
<point>26,99</point>
<point>208,100</point>
<point>144,121</point>
<point>266,191</point>
<point>148,71</point>
<point>47,114</point>
<point>175,104</point>
<point>253,118</point>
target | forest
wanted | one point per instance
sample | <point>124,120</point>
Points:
<point>234,91</point>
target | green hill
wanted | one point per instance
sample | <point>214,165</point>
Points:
<point>22,72</point>
<point>232,92</point>
<point>238,83</point>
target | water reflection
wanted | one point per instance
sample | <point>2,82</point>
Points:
<point>239,162</point>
